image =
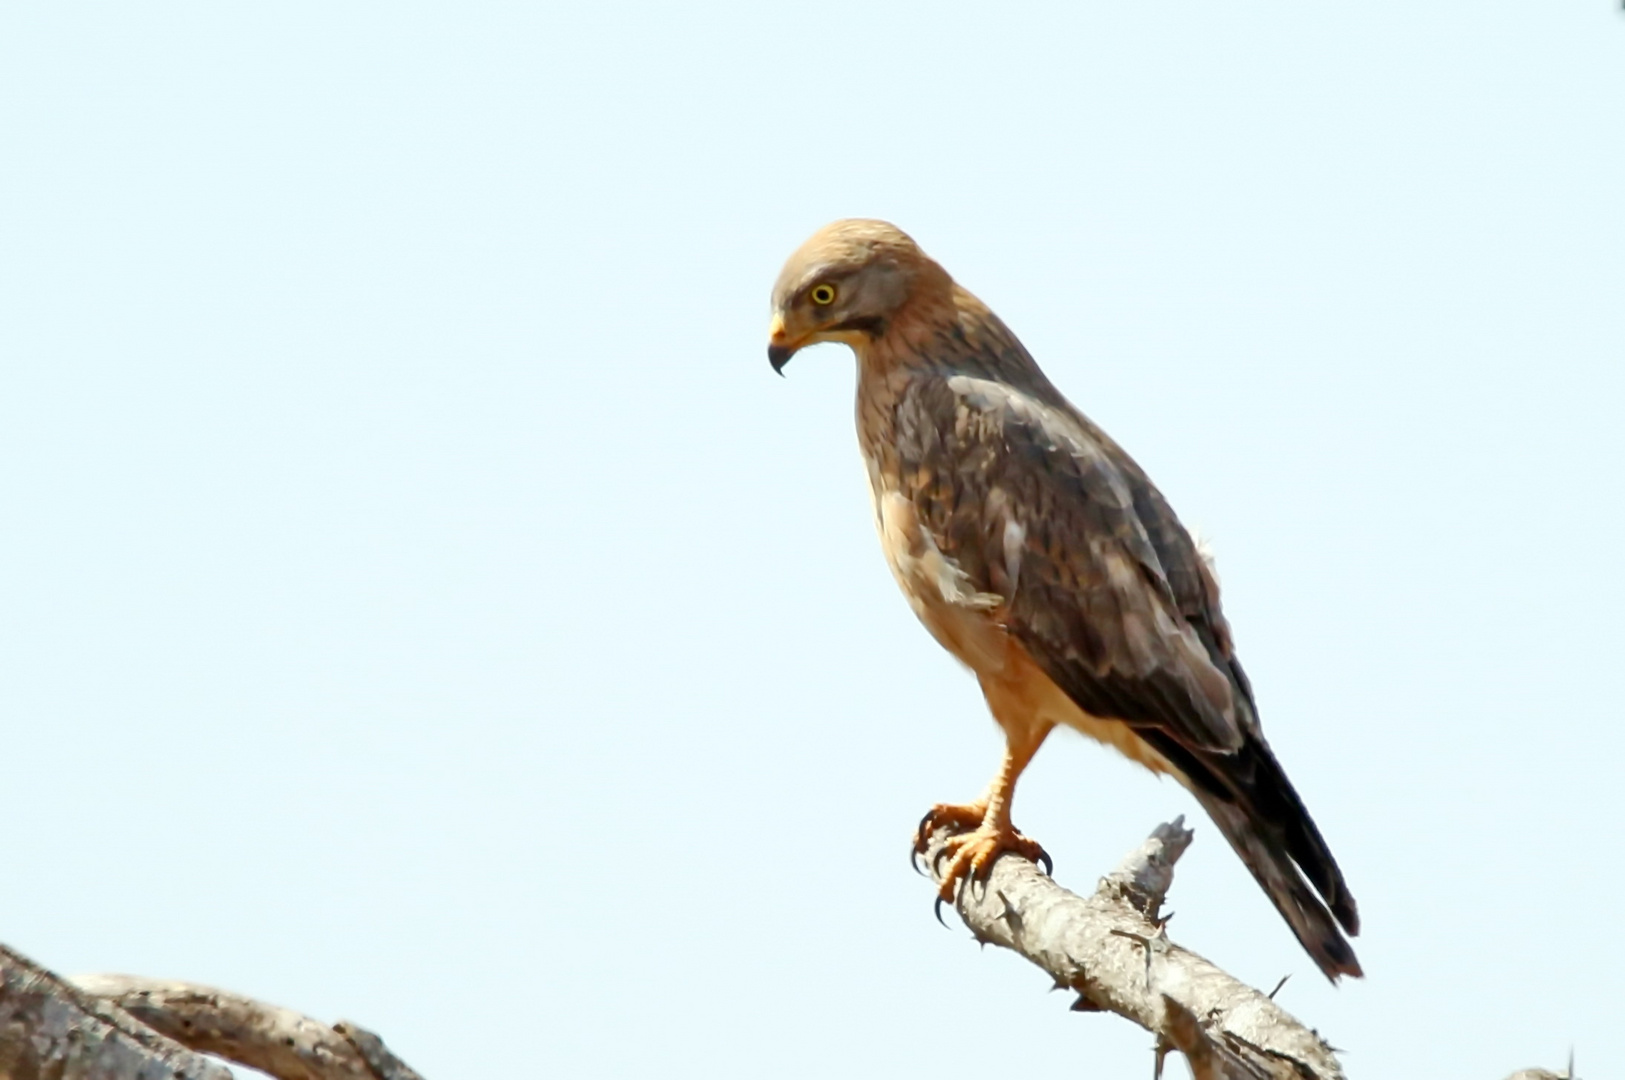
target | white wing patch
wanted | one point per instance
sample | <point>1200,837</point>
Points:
<point>1204,551</point>
<point>1012,533</point>
<point>1015,543</point>
<point>917,560</point>
<point>942,595</point>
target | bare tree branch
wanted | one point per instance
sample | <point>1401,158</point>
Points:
<point>113,1027</point>
<point>385,1065</point>
<point>286,1044</point>
<point>49,1028</point>
<point>1113,950</point>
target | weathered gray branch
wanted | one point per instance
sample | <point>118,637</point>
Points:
<point>281,1042</point>
<point>49,1028</point>
<point>1112,949</point>
<point>112,1027</point>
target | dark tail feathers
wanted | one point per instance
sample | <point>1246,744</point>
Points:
<point>1249,798</point>
<point>1260,848</point>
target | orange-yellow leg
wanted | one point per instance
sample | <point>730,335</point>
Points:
<point>971,854</point>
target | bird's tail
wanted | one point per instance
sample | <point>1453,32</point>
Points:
<point>1260,813</point>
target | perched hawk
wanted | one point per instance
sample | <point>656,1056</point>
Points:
<point>1037,552</point>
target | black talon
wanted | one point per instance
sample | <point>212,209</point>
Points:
<point>914,861</point>
<point>919,830</point>
<point>1049,867</point>
<point>937,907</point>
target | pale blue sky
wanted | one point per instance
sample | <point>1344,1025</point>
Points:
<point>421,603</point>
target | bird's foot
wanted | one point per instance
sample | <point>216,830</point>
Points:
<point>972,851</point>
<point>971,855</point>
<point>957,816</point>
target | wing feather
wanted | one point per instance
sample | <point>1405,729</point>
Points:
<point>1088,591</point>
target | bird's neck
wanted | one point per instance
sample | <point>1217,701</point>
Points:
<point>937,335</point>
<point>944,333</point>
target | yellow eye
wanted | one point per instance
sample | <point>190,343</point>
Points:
<point>822,295</point>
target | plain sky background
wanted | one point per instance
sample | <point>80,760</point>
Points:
<point>420,603</point>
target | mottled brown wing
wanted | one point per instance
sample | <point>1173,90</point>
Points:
<point>1034,507</point>
<point>1105,589</point>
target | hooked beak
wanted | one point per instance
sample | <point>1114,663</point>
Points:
<point>779,349</point>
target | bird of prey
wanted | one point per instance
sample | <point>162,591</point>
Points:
<point>1039,554</point>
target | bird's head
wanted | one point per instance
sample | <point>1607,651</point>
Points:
<point>846,283</point>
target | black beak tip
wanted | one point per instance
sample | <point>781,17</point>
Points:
<point>778,356</point>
